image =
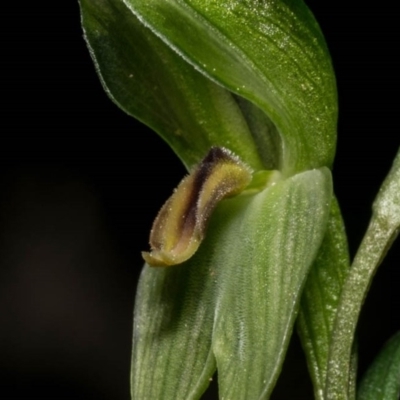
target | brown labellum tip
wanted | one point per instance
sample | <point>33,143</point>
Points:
<point>180,225</point>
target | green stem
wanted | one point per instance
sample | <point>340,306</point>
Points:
<point>355,289</point>
<point>380,234</point>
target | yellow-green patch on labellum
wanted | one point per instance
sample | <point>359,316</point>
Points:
<point>180,224</point>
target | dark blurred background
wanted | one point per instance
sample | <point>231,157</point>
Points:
<point>78,195</point>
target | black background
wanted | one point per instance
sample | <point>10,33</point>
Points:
<point>79,192</point>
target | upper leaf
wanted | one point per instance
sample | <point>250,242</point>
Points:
<point>151,82</point>
<point>270,52</point>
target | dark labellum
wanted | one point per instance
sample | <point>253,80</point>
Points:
<point>180,225</point>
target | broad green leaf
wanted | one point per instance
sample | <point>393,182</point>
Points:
<point>382,380</point>
<point>269,52</point>
<point>151,82</point>
<point>260,284</point>
<point>174,315</point>
<point>321,297</point>
<point>233,304</point>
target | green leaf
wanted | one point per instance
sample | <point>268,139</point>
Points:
<point>271,53</point>
<point>151,82</point>
<point>382,380</point>
<point>261,282</point>
<point>174,315</point>
<point>320,299</point>
<point>235,301</point>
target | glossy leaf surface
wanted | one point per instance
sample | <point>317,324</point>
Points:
<point>149,81</point>
<point>270,52</point>
<point>234,303</point>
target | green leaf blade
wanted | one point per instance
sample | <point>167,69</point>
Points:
<point>382,380</point>
<point>172,357</point>
<point>271,53</point>
<point>151,82</point>
<point>320,299</point>
<point>260,286</point>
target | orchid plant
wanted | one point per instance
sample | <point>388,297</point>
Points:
<point>252,243</point>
